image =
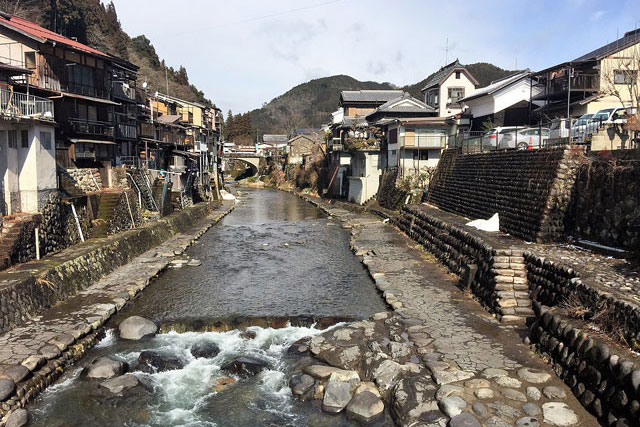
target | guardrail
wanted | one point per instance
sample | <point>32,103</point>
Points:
<point>15,104</point>
<point>92,127</point>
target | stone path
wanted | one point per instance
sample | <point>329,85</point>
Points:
<point>485,373</point>
<point>58,336</point>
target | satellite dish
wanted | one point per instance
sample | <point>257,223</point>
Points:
<point>144,85</point>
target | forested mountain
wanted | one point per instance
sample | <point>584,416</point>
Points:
<point>97,25</point>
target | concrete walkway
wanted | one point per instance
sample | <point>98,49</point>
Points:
<point>37,352</point>
<point>482,367</point>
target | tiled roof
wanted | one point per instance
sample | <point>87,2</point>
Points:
<point>630,38</point>
<point>369,95</point>
<point>396,105</point>
<point>441,73</point>
<point>34,30</point>
<point>498,84</point>
<point>275,138</point>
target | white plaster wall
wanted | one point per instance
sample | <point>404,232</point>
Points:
<point>463,81</point>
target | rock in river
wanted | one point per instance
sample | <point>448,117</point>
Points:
<point>207,350</point>
<point>119,384</point>
<point>365,407</point>
<point>336,397</point>
<point>18,418</point>
<point>151,361</point>
<point>301,384</point>
<point>7,387</point>
<point>105,367</point>
<point>245,366</point>
<point>136,327</point>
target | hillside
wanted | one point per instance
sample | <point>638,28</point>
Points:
<point>97,25</point>
<point>310,104</point>
<point>307,105</point>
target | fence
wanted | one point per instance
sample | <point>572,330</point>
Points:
<point>15,104</point>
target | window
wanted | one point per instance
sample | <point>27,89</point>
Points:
<point>624,77</point>
<point>24,138</point>
<point>30,60</point>
<point>455,94</point>
<point>45,140</point>
<point>13,138</point>
<point>458,75</point>
<point>394,152</point>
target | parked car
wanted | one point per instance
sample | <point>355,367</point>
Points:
<point>560,128</point>
<point>619,115</point>
<point>530,137</point>
<point>499,138</point>
<point>582,127</point>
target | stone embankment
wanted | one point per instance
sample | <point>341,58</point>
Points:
<point>438,358</point>
<point>88,288</point>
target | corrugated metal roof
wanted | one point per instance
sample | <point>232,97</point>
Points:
<point>35,30</point>
<point>380,96</point>
<point>630,38</point>
<point>498,84</point>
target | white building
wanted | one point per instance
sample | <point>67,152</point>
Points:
<point>364,181</point>
<point>447,86</point>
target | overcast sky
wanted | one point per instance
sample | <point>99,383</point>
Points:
<point>242,53</point>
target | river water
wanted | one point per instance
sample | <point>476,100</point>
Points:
<point>274,258</point>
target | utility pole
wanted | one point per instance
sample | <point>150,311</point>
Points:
<point>166,76</point>
<point>570,71</point>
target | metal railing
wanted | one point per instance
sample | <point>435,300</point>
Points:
<point>120,91</point>
<point>15,104</point>
<point>424,141</point>
<point>91,127</point>
<point>126,131</point>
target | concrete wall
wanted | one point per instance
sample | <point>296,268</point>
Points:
<point>530,190</point>
<point>364,180</point>
<point>451,82</point>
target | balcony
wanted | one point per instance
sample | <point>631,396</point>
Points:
<point>20,105</point>
<point>361,144</point>
<point>579,83</point>
<point>86,90</point>
<point>424,141</point>
<point>91,127</point>
<point>126,131</point>
<point>123,92</point>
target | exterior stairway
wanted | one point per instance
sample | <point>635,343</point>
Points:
<point>11,229</point>
<point>106,206</point>
<point>142,184</point>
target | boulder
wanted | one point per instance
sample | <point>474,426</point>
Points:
<point>301,384</point>
<point>245,366</point>
<point>7,388</point>
<point>558,414</point>
<point>119,384</point>
<point>105,367</point>
<point>16,372</point>
<point>151,361</point>
<point>365,407</point>
<point>452,405</point>
<point>219,384</point>
<point>319,371</point>
<point>336,397</point>
<point>350,377</point>
<point>136,327</point>
<point>18,418</point>
<point>205,349</point>
<point>464,420</point>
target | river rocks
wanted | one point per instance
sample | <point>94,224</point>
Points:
<point>512,394</point>
<point>119,384</point>
<point>553,392</point>
<point>136,327</point>
<point>531,409</point>
<point>319,371</point>
<point>50,351</point>
<point>413,401</point>
<point>527,422</point>
<point>508,382</point>
<point>533,376</point>
<point>220,384</point>
<point>484,393</point>
<point>151,361</point>
<point>452,405</point>
<point>18,418</point>
<point>534,393</point>
<point>558,414</point>
<point>301,384</point>
<point>336,397</point>
<point>350,377</point>
<point>446,377</point>
<point>34,362</point>
<point>7,387</point>
<point>464,420</point>
<point>494,373</point>
<point>105,367</point>
<point>365,407</point>
<point>245,366</point>
<point>389,372</point>
<point>205,349</point>
<point>17,373</point>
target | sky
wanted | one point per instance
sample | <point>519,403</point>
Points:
<point>243,53</point>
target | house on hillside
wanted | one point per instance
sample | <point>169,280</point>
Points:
<point>590,82</point>
<point>447,86</point>
<point>92,92</point>
<point>300,147</point>
<point>27,145</point>
<point>504,102</point>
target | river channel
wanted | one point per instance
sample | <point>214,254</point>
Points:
<point>274,259</point>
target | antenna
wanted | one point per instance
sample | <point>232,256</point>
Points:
<point>446,52</point>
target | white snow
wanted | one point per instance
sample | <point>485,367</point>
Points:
<point>226,195</point>
<point>492,224</point>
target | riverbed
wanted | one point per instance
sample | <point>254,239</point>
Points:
<point>275,257</point>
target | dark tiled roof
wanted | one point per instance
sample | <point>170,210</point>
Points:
<point>630,38</point>
<point>421,107</point>
<point>369,95</point>
<point>441,74</point>
<point>275,138</point>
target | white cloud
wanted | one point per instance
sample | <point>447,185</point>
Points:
<point>595,16</point>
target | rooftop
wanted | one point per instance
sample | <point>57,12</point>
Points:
<point>404,104</point>
<point>378,96</point>
<point>275,138</point>
<point>496,85</point>
<point>630,38</point>
<point>444,72</point>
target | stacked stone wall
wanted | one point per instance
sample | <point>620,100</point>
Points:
<point>389,195</point>
<point>126,207</point>
<point>605,206</point>
<point>86,180</point>
<point>529,189</point>
<point>603,381</point>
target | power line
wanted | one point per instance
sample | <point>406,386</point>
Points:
<point>257,18</point>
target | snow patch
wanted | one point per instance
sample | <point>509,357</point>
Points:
<point>492,224</point>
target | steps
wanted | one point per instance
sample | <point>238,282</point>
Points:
<point>139,178</point>
<point>106,206</point>
<point>12,226</point>
<point>512,290</point>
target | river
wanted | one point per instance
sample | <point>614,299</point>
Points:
<point>274,259</point>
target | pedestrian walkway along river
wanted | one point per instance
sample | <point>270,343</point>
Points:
<point>275,257</point>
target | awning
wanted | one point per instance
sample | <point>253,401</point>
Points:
<point>185,154</point>
<point>92,141</point>
<point>88,98</point>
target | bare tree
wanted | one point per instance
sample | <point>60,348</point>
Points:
<point>28,9</point>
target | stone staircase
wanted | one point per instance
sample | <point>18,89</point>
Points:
<point>140,179</point>
<point>12,226</point>
<point>106,206</point>
<point>512,290</point>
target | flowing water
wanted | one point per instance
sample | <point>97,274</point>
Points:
<point>273,258</point>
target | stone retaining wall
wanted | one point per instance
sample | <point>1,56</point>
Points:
<point>554,284</point>
<point>127,207</point>
<point>496,276</point>
<point>86,180</point>
<point>530,189</point>
<point>606,384</point>
<point>65,274</point>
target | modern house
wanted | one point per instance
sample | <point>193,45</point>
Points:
<point>447,86</point>
<point>27,145</point>
<point>594,81</point>
<point>504,102</point>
